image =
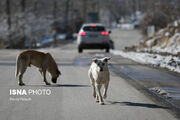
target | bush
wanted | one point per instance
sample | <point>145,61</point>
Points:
<point>157,19</point>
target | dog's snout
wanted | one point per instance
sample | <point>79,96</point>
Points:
<point>54,80</point>
<point>101,69</point>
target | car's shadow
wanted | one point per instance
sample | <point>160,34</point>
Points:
<point>133,104</point>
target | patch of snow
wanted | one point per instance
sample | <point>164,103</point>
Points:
<point>160,32</point>
<point>171,47</point>
<point>160,91</point>
<point>169,62</point>
<point>176,24</point>
<point>126,26</point>
<point>167,34</point>
<point>149,42</point>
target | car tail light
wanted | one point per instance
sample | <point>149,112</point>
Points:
<point>93,26</point>
<point>82,33</point>
<point>104,33</point>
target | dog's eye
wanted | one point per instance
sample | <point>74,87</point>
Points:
<point>103,64</point>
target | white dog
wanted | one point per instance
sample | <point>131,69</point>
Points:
<point>99,75</point>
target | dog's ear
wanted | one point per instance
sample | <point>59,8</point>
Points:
<point>94,60</point>
<point>106,59</point>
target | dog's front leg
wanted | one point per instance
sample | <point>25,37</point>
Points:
<point>44,77</point>
<point>94,91</point>
<point>99,96</point>
<point>20,80</point>
<point>105,90</point>
<point>93,85</point>
<point>23,69</point>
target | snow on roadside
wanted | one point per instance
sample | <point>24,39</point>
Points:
<point>170,62</point>
<point>172,47</point>
<point>166,40</point>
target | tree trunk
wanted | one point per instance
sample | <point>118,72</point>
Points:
<point>8,12</point>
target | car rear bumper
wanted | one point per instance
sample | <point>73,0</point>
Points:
<point>94,46</point>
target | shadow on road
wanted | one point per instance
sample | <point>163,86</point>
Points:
<point>137,104</point>
<point>59,85</point>
<point>69,85</point>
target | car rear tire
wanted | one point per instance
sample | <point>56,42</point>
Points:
<point>80,50</point>
<point>111,43</point>
<point>107,50</point>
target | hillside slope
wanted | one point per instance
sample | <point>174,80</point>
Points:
<point>165,41</point>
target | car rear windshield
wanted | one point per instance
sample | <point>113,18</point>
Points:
<point>93,28</point>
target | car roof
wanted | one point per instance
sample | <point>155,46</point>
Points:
<point>89,24</point>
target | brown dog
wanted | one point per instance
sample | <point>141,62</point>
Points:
<point>43,61</point>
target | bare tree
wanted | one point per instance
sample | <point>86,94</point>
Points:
<point>115,7</point>
<point>8,12</point>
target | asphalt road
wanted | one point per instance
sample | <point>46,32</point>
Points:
<point>125,38</point>
<point>71,98</point>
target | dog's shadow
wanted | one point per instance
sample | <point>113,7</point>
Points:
<point>59,85</point>
<point>133,104</point>
<point>69,85</point>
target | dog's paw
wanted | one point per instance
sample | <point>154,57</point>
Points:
<point>97,100</point>
<point>101,103</point>
<point>48,83</point>
<point>21,84</point>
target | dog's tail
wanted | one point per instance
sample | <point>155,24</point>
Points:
<point>17,66</point>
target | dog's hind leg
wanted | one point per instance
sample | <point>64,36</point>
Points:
<point>44,76</point>
<point>105,90</point>
<point>40,70</point>
<point>99,96</point>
